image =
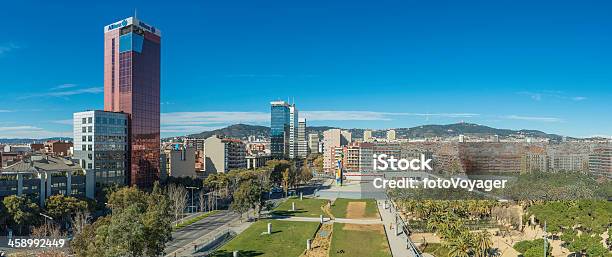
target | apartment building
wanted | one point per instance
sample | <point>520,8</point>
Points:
<point>333,139</point>
<point>224,154</point>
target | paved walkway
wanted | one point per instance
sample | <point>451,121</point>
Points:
<point>397,243</point>
<point>328,220</point>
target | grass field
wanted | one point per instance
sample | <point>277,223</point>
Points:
<point>308,207</point>
<point>341,206</point>
<point>436,250</point>
<point>287,239</point>
<point>359,240</point>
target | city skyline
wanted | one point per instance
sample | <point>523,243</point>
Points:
<point>365,66</point>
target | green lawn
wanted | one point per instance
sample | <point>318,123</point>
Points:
<point>288,239</point>
<point>339,210</point>
<point>308,207</point>
<point>359,240</point>
<point>436,250</point>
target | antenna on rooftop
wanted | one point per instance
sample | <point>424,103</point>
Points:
<point>135,13</point>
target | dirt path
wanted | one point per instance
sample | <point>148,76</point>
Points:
<point>321,243</point>
<point>355,210</point>
<point>327,210</point>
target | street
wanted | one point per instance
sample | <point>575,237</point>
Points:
<point>196,230</point>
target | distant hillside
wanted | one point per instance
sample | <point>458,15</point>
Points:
<point>469,129</point>
<point>31,140</point>
<point>236,131</point>
<point>450,130</point>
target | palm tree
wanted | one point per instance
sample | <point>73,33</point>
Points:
<point>483,243</point>
<point>460,246</point>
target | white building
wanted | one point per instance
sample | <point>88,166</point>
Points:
<point>391,135</point>
<point>302,144</point>
<point>293,132</point>
<point>100,145</point>
<point>367,135</point>
<point>224,154</point>
<point>313,143</point>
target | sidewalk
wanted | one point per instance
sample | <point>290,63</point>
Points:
<point>397,243</point>
<point>328,220</point>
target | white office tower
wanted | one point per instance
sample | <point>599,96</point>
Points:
<point>100,145</point>
<point>313,143</point>
<point>367,135</point>
<point>293,132</point>
<point>391,135</point>
<point>302,144</point>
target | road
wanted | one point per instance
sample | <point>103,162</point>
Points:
<point>196,230</point>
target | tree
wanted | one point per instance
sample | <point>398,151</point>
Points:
<point>286,180</point>
<point>178,197</point>
<point>483,243</point>
<point>62,208</point>
<point>318,163</point>
<point>139,228</point>
<point>47,230</point>
<point>87,243</point>
<point>4,216</point>
<point>305,173</point>
<point>460,246</point>
<point>157,222</point>
<point>79,221</point>
<point>277,167</point>
<point>125,234</point>
<point>242,199</point>
<point>202,201</point>
<point>22,212</point>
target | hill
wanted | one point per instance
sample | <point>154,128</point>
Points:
<point>31,140</point>
<point>450,130</point>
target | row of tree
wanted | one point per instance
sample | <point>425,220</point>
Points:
<point>21,214</point>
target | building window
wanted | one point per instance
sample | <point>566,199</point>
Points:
<point>84,147</point>
<point>84,129</point>
<point>90,129</point>
<point>89,120</point>
<point>84,120</point>
<point>89,138</point>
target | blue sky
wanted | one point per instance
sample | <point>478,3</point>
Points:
<point>543,65</point>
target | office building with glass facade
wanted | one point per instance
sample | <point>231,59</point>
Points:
<point>132,86</point>
<point>279,129</point>
<point>100,146</point>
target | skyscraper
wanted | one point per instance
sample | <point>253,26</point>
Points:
<point>302,144</point>
<point>279,129</point>
<point>293,131</point>
<point>132,85</point>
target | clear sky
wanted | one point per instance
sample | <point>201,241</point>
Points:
<point>543,65</point>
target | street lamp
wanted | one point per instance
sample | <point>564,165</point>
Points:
<point>46,217</point>
<point>192,188</point>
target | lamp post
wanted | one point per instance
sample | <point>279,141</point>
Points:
<point>192,188</point>
<point>46,217</point>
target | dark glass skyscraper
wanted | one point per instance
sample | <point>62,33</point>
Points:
<point>279,129</point>
<point>132,85</point>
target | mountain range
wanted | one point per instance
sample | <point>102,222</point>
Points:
<point>450,130</point>
<point>243,131</point>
